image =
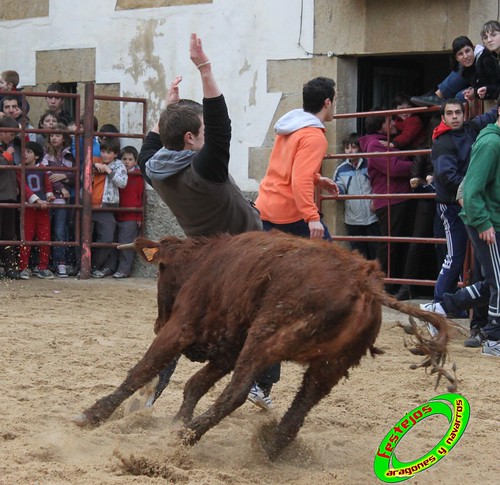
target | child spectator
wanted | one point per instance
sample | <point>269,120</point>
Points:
<point>411,132</point>
<point>352,178</point>
<point>9,81</point>
<point>8,194</point>
<point>59,155</point>
<point>36,220</point>
<point>129,223</point>
<point>47,122</point>
<point>109,176</point>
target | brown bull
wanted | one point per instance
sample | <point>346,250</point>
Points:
<point>245,302</point>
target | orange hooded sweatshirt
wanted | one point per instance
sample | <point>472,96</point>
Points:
<point>286,193</point>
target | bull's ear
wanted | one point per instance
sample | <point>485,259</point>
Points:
<point>147,250</point>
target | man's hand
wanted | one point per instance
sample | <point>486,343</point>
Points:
<point>65,193</point>
<point>196,52</point>
<point>173,92</point>
<point>414,182</point>
<point>316,230</point>
<point>488,236</point>
<point>329,185</point>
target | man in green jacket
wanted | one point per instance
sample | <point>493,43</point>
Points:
<point>481,215</point>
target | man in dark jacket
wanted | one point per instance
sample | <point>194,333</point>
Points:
<point>450,155</point>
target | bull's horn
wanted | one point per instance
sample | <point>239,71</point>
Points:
<point>126,246</point>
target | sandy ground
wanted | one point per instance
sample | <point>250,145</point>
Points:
<point>65,343</point>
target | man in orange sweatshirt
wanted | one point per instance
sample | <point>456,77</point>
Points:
<point>286,193</point>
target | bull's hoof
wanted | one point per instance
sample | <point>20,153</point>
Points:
<point>84,421</point>
<point>188,436</point>
<point>268,440</point>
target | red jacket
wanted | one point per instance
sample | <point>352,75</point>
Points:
<point>131,196</point>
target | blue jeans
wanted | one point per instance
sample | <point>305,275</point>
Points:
<point>456,245</point>
<point>453,85</point>
<point>60,233</point>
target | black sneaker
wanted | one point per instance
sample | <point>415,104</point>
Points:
<point>13,274</point>
<point>476,338</point>
<point>426,100</point>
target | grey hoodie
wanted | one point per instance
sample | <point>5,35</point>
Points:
<point>165,163</point>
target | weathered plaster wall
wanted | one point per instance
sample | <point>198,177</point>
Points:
<point>143,49</point>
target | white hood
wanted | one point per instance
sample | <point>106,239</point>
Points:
<point>295,120</point>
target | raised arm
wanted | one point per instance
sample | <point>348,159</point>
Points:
<point>200,60</point>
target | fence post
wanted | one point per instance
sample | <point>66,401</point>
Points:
<point>88,130</point>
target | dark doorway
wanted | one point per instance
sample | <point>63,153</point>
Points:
<point>69,104</point>
<point>380,78</point>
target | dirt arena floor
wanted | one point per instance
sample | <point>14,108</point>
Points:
<point>65,343</point>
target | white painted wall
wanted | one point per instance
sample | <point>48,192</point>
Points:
<point>239,37</point>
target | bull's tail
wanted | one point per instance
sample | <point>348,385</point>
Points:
<point>434,349</point>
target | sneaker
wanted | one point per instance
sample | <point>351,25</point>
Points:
<point>107,271</point>
<point>25,274</point>
<point>433,307</point>
<point>256,396</point>
<point>71,270</point>
<point>13,274</point>
<point>426,100</point>
<point>61,271</point>
<point>2,273</point>
<point>45,274</point>
<point>35,270</point>
<point>97,273</point>
<point>491,347</point>
<point>119,274</point>
<point>476,338</point>
<point>432,329</point>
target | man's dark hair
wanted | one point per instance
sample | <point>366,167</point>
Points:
<point>177,120</point>
<point>111,144</point>
<point>36,148</point>
<point>55,87</point>
<point>11,97</point>
<point>451,101</point>
<point>315,92</point>
<point>373,124</point>
<point>350,139</point>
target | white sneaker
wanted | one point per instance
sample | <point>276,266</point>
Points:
<point>61,271</point>
<point>491,347</point>
<point>433,307</point>
<point>256,396</point>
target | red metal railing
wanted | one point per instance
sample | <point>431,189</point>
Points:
<point>83,177</point>
<point>321,198</point>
